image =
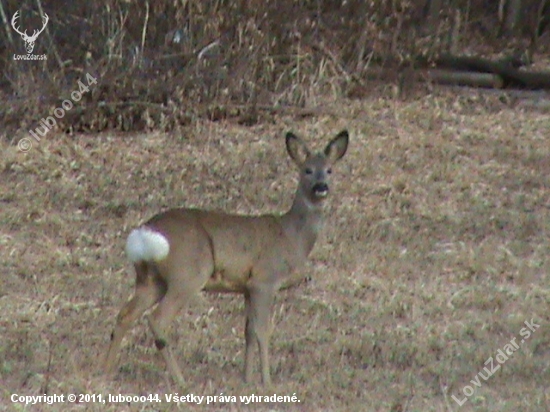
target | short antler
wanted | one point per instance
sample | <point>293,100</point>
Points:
<point>45,20</point>
<point>13,23</point>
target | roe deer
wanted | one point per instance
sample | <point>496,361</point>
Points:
<point>183,251</point>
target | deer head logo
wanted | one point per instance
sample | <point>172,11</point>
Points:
<point>29,40</point>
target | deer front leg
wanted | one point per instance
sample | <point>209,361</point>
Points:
<point>258,303</point>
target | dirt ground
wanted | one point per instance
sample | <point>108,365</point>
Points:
<point>434,255</point>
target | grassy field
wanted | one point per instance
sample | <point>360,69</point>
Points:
<point>434,255</point>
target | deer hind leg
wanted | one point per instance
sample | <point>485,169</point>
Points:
<point>159,322</point>
<point>187,272</point>
<point>183,287</point>
<point>148,292</point>
<point>258,303</point>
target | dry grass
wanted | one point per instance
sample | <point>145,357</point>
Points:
<point>435,253</point>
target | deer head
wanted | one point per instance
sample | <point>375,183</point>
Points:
<point>29,40</point>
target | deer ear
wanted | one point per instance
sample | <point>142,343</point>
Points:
<point>337,147</point>
<point>296,148</point>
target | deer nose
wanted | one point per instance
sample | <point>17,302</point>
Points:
<point>320,189</point>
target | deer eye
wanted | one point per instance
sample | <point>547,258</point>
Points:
<point>309,171</point>
<point>329,170</point>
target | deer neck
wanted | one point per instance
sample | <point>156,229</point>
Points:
<point>303,222</point>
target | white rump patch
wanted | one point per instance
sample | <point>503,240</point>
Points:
<point>145,244</point>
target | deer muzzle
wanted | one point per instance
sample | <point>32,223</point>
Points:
<point>320,190</point>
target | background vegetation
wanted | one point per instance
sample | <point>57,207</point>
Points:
<point>161,63</point>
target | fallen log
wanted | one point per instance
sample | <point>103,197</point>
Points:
<point>511,76</point>
<point>464,78</point>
